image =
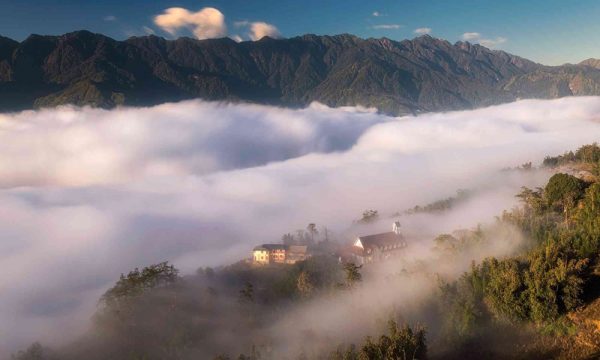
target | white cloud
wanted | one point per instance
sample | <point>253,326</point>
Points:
<point>209,23</point>
<point>110,18</point>
<point>260,29</point>
<point>377,14</point>
<point>387,26</point>
<point>256,30</point>
<point>423,31</point>
<point>469,36</point>
<point>206,23</point>
<point>86,194</point>
<point>493,43</point>
<point>476,37</point>
<point>147,30</point>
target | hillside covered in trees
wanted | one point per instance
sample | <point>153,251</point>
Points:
<point>540,300</point>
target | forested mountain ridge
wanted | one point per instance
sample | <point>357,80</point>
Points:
<point>423,74</point>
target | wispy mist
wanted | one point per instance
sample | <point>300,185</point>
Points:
<point>88,194</point>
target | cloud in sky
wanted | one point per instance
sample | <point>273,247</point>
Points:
<point>147,30</point>
<point>260,29</point>
<point>209,23</point>
<point>476,37</point>
<point>256,30</point>
<point>110,18</point>
<point>377,14</point>
<point>206,23</point>
<point>422,31</point>
<point>87,194</point>
<point>387,26</point>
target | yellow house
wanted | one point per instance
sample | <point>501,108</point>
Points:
<point>269,253</point>
<point>278,253</point>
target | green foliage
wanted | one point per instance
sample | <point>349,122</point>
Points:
<point>586,232</point>
<point>369,216</point>
<point>533,200</point>
<point>305,285</point>
<point>247,294</point>
<point>400,343</point>
<point>589,154</point>
<point>34,352</point>
<point>559,328</point>
<point>563,191</point>
<point>547,281</point>
<point>505,287</point>
<point>459,241</point>
<point>441,205</point>
<point>554,281</point>
<point>353,274</point>
<point>462,306</point>
<point>137,282</point>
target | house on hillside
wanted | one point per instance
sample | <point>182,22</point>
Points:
<point>378,247</point>
<point>266,254</point>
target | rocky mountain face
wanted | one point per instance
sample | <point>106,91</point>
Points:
<point>423,74</point>
<point>595,63</point>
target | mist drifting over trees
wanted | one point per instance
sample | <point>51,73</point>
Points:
<point>89,194</point>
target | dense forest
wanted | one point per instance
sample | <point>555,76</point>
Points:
<point>540,301</point>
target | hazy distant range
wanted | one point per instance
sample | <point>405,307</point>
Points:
<point>420,75</point>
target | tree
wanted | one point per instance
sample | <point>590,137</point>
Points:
<point>137,282</point>
<point>287,239</point>
<point>369,216</point>
<point>462,305</point>
<point>312,231</point>
<point>532,199</point>
<point>588,153</point>
<point>247,293</point>
<point>301,237</point>
<point>34,352</point>
<point>554,281</point>
<point>209,272</point>
<point>400,343</point>
<point>305,285</point>
<point>505,288</point>
<point>446,243</point>
<point>563,191</point>
<point>353,275</point>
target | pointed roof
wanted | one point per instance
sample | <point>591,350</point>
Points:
<point>379,240</point>
<point>271,247</point>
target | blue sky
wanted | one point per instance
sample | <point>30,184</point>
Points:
<point>550,31</point>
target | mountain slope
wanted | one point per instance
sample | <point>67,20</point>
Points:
<point>423,74</point>
<point>595,63</point>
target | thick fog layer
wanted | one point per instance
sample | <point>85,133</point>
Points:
<point>89,194</point>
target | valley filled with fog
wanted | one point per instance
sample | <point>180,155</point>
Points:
<point>87,194</point>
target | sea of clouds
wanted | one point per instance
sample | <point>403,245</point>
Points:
<point>87,194</point>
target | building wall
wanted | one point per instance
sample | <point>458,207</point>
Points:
<point>277,256</point>
<point>261,257</point>
<point>378,254</point>
<point>292,258</point>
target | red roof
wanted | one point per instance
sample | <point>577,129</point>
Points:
<point>381,240</point>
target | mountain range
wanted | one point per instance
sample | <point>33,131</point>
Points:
<point>398,77</point>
